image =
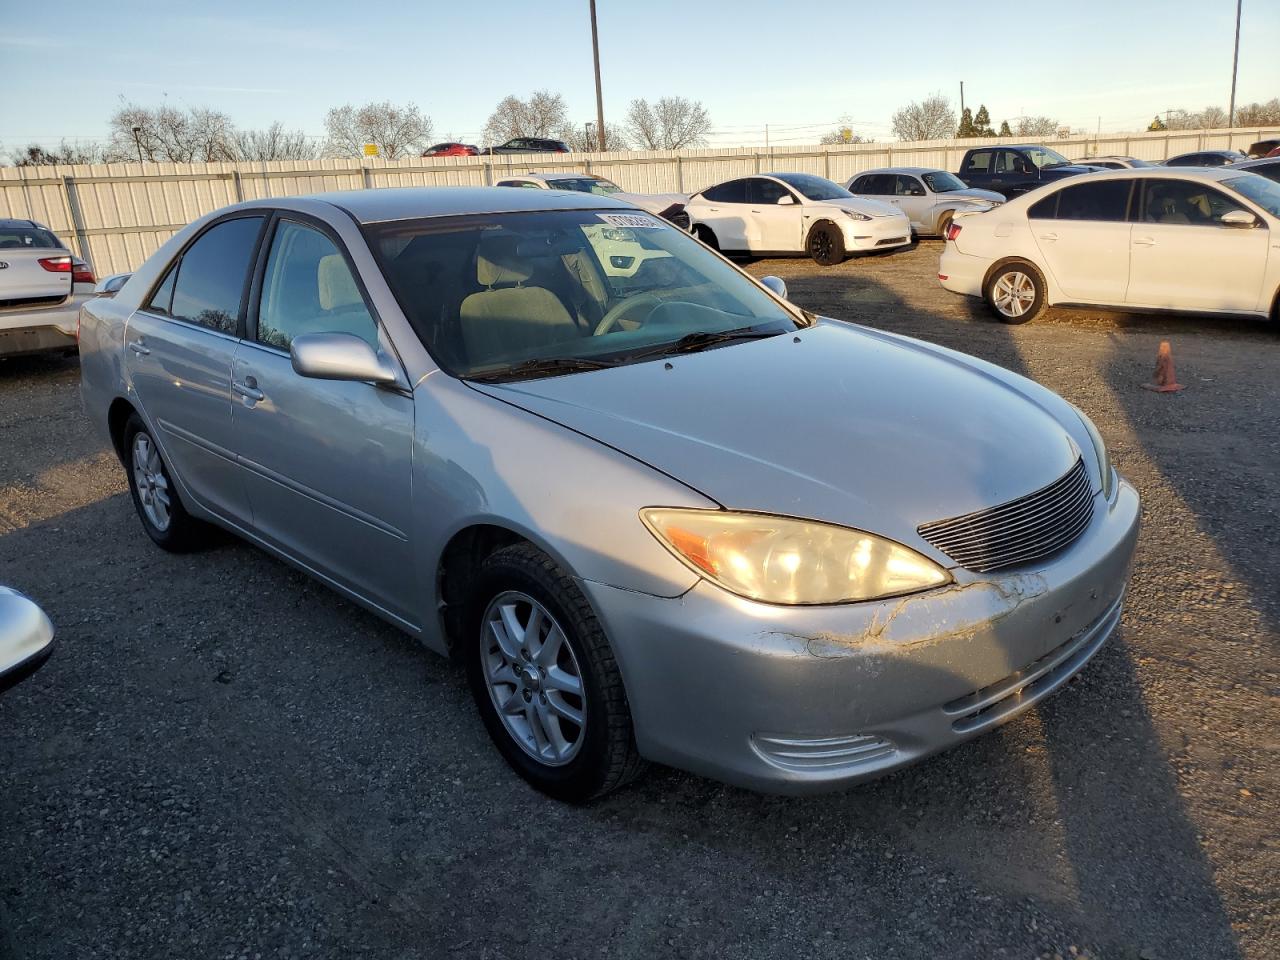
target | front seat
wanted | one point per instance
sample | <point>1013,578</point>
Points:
<point>508,318</point>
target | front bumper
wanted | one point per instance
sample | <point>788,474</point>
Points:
<point>878,233</point>
<point>800,699</point>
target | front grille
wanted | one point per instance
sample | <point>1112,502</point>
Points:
<point>1021,531</point>
<point>28,302</point>
<point>885,243</point>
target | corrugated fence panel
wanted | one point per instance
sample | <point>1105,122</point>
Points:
<point>116,215</point>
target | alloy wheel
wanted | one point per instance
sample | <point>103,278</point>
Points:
<point>820,245</point>
<point>150,479</point>
<point>533,678</point>
<point>1013,293</point>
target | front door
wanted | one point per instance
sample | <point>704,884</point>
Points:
<point>178,354</point>
<point>1082,232</point>
<point>912,199</point>
<point>1185,257</point>
<point>775,224</point>
<point>327,463</point>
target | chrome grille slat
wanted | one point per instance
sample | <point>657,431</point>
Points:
<point>1021,531</point>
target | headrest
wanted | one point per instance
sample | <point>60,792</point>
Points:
<point>337,288</point>
<point>498,261</point>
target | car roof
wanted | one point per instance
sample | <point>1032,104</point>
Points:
<point>412,203</point>
<point>1255,162</point>
<point>17,223</point>
<point>911,170</point>
<point>547,177</point>
<point>1209,174</point>
<point>1202,153</point>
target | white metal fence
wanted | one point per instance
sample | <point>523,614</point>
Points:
<point>116,215</point>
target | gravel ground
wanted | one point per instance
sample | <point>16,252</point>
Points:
<point>225,760</point>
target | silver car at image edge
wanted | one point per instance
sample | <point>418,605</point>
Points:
<point>658,513</point>
<point>26,637</point>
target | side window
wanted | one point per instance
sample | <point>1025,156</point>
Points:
<point>860,185</point>
<point>735,191</point>
<point>909,187</point>
<point>1009,162</point>
<point>308,288</point>
<point>876,184</point>
<point>1046,209</point>
<point>213,274</point>
<point>1184,201</point>
<point>162,300</point>
<point>1106,200</point>
<point>979,162</point>
<point>760,190</point>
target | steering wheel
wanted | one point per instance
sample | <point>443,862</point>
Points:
<point>610,319</point>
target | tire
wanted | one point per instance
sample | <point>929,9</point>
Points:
<point>575,762</point>
<point>825,244</point>
<point>704,234</point>
<point>150,484</point>
<point>944,222</point>
<point>1015,292</point>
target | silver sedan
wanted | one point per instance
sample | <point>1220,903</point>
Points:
<point>657,511</point>
<point>929,197</point>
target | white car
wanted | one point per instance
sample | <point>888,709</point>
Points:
<point>42,286</point>
<point>787,213</point>
<point>1112,162</point>
<point>928,196</point>
<point>1201,241</point>
<point>669,206</point>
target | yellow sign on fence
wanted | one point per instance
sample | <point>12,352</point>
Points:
<point>370,149</point>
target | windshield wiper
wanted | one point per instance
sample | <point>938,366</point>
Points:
<point>703,340</point>
<point>537,366</point>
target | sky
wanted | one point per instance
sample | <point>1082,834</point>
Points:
<point>799,69</point>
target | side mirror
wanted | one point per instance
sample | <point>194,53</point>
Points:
<point>110,286</point>
<point>786,200</point>
<point>26,638</point>
<point>776,285</point>
<point>340,356</point>
<point>1239,219</point>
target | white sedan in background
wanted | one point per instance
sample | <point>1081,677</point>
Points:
<point>1201,241</point>
<point>929,197</point>
<point>788,213</point>
<point>668,206</point>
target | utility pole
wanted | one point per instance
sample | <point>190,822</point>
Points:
<point>962,98</point>
<point>138,142</point>
<point>1235,65</point>
<point>595,50</point>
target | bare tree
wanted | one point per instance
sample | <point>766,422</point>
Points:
<point>669,123</point>
<point>544,114</point>
<point>397,131</point>
<point>188,135</point>
<point>34,155</point>
<point>583,138</point>
<point>930,119</point>
<point>274,143</point>
<point>1034,127</point>
<point>841,134</point>
<point>1259,114</point>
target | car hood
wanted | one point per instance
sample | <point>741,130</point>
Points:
<point>1070,170</point>
<point>653,202</point>
<point>971,193</point>
<point>836,423</point>
<point>868,208</point>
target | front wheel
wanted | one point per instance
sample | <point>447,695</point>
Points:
<point>544,678</point>
<point>1016,292</point>
<point>944,223</point>
<point>826,245</point>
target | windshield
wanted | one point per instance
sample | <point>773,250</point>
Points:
<point>1265,193</point>
<point>27,237</point>
<point>1044,157</point>
<point>814,188</point>
<point>488,292</point>
<point>943,182</point>
<point>596,185</point>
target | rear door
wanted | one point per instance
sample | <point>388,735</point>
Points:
<point>773,227</point>
<point>1083,233</point>
<point>327,463</point>
<point>1185,258</point>
<point>724,209</point>
<point>178,357</point>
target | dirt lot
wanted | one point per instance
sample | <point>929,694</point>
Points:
<point>225,760</point>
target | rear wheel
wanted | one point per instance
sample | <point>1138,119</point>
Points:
<point>704,234</point>
<point>544,678</point>
<point>151,486</point>
<point>825,244</point>
<point>1016,292</point>
<point>944,222</point>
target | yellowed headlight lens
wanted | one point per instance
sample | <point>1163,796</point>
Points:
<point>784,560</point>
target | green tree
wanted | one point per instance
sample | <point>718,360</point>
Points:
<point>982,123</point>
<point>966,124</point>
<point>1004,129</point>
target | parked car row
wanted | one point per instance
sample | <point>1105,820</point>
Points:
<point>514,145</point>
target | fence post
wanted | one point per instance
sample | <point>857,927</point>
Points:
<point>488,171</point>
<point>587,162</point>
<point>757,156</point>
<point>679,175</point>
<point>235,179</point>
<point>77,220</point>
<point>826,164</point>
<point>368,176</point>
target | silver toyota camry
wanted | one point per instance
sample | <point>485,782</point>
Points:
<point>656,510</point>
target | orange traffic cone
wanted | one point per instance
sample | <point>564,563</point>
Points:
<point>1166,380</point>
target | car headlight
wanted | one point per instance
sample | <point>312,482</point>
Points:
<point>855,215</point>
<point>1108,473</point>
<point>783,560</point>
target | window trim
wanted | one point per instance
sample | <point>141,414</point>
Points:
<point>1074,184</point>
<point>259,276</point>
<point>175,266</point>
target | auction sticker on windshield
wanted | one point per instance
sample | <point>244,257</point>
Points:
<point>639,220</point>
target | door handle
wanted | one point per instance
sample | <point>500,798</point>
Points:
<point>1144,241</point>
<point>713,209</point>
<point>1048,236</point>
<point>139,348</point>
<point>248,390</point>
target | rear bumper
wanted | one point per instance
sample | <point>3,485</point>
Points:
<point>963,274</point>
<point>803,699</point>
<point>41,328</point>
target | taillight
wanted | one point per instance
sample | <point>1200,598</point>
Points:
<point>953,230</point>
<point>80,272</point>
<point>56,264</point>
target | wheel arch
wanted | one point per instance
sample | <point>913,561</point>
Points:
<point>118,414</point>
<point>457,566</point>
<point>1049,289</point>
